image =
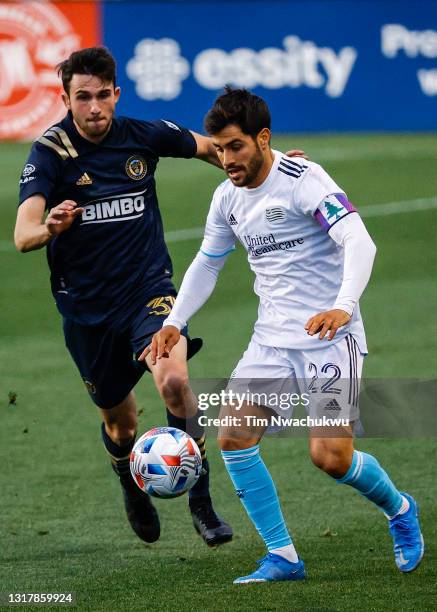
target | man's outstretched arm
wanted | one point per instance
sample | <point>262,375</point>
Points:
<point>359,253</point>
<point>32,232</point>
<point>197,286</point>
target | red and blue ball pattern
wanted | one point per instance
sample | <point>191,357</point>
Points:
<point>165,462</point>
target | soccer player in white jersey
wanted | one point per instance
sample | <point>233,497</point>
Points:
<point>312,257</point>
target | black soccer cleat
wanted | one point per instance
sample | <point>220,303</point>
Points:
<point>208,524</point>
<point>140,511</point>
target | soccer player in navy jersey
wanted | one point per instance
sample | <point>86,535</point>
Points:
<point>93,174</point>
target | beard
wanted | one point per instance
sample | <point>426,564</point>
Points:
<point>251,171</point>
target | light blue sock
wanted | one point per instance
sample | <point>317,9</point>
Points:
<point>368,478</point>
<point>257,493</point>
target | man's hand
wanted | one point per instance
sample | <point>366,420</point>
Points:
<point>62,216</point>
<point>162,343</point>
<point>296,153</point>
<point>206,150</point>
<point>325,322</point>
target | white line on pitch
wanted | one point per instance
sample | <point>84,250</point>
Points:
<point>184,234</point>
<point>393,208</point>
<point>376,210</point>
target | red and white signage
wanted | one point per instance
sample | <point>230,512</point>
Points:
<point>34,38</point>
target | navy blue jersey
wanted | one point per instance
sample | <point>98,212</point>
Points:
<point>114,255</point>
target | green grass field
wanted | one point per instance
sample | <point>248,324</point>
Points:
<point>62,520</point>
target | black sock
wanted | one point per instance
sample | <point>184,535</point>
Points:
<point>192,427</point>
<point>119,455</point>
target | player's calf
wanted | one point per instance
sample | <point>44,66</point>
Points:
<point>118,436</point>
<point>337,457</point>
<point>366,475</point>
<point>209,525</point>
<point>257,492</point>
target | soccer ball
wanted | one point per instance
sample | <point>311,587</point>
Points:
<point>165,462</point>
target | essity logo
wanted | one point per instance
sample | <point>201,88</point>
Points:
<point>300,63</point>
<point>34,38</point>
<point>158,69</point>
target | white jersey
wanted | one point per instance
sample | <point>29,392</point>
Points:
<point>283,226</point>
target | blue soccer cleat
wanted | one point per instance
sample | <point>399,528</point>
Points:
<point>274,568</point>
<point>407,537</point>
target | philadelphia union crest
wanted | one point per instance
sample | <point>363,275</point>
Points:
<point>136,167</point>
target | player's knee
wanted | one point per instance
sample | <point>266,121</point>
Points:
<point>174,389</point>
<point>333,461</point>
<point>121,433</point>
<point>229,443</point>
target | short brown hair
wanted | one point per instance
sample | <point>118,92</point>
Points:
<point>239,107</point>
<point>95,61</point>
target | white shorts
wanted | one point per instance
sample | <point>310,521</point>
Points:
<point>325,381</point>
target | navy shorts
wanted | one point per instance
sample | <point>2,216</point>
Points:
<point>106,355</point>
